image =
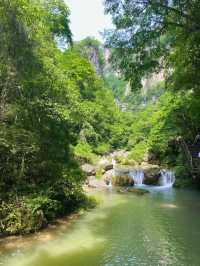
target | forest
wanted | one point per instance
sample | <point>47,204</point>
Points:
<point>58,109</point>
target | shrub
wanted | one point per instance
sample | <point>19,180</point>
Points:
<point>83,152</point>
<point>137,153</point>
<point>20,218</point>
<point>102,149</point>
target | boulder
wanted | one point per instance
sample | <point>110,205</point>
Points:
<point>122,190</point>
<point>89,169</point>
<point>96,183</point>
<point>105,163</point>
<point>151,180</point>
<point>108,167</point>
<point>151,173</point>
<point>138,191</point>
<point>123,181</point>
<point>108,176</point>
<point>122,170</point>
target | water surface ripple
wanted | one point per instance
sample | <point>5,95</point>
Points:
<point>158,229</point>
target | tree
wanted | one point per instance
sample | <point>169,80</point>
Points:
<point>39,178</point>
<point>151,35</point>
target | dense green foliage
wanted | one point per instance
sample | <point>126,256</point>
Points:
<point>58,109</point>
<point>152,35</point>
<point>38,107</point>
<point>105,127</point>
<point>92,50</point>
<point>117,85</point>
<point>157,127</point>
<point>159,37</point>
<point>53,110</point>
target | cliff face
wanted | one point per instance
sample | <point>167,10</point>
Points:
<point>99,58</point>
<point>151,81</point>
<point>93,56</point>
<point>93,50</point>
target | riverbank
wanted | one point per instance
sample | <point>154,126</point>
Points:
<point>32,212</point>
<point>10,243</point>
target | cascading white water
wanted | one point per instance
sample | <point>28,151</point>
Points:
<point>167,178</point>
<point>113,163</point>
<point>138,176</point>
<point>109,184</point>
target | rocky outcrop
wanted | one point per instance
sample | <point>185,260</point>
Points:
<point>109,174</point>
<point>108,170</point>
<point>109,177</point>
<point>152,180</point>
<point>123,181</point>
<point>151,173</point>
<point>137,191</point>
<point>96,183</point>
<point>105,164</point>
<point>88,169</point>
<point>94,60</point>
<point>123,170</point>
<point>119,177</point>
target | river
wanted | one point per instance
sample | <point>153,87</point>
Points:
<point>159,228</point>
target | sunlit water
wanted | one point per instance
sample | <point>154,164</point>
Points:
<point>161,228</point>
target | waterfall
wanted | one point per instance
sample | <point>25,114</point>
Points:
<point>167,178</point>
<point>110,184</point>
<point>138,176</point>
<point>113,163</point>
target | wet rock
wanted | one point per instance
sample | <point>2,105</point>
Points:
<point>108,176</point>
<point>122,190</point>
<point>123,170</point>
<point>151,173</point>
<point>138,191</point>
<point>152,180</point>
<point>123,181</point>
<point>108,167</point>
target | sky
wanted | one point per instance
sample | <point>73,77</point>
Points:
<point>88,18</point>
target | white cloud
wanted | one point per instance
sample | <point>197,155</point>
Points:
<point>88,18</point>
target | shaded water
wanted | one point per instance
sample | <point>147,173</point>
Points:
<point>161,228</point>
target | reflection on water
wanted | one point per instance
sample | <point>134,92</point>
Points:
<point>158,229</point>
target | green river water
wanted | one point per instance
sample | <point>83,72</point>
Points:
<point>160,228</point>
